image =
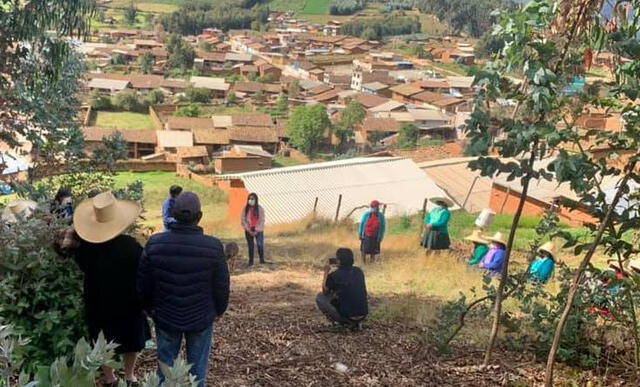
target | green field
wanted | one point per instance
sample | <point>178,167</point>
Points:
<point>287,5</point>
<point>156,190</point>
<point>316,7</point>
<point>124,120</point>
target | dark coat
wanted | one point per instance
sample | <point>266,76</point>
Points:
<point>111,303</point>
<point>183,279</point>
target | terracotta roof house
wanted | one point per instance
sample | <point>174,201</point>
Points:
<point>254,87</point>
<point>193,154</point>
<point>328,96</point>
<point>254,135</point>
<point>140,143</point>
<point>243,158</point>
<point>188,123</point>
<point>403,93</point>
<point>252,120</point>
<point>213,139</point>
<point>369,101</point>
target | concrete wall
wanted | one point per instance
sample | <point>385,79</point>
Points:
<point>507,201</point>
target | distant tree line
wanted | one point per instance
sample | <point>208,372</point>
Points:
<point>397,5</point>
<point>346,7</point>
<point>464,16</point>
<point>377,29</point>
<point>195,15</point>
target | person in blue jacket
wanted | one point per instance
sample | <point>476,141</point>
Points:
<point>167,207</point>
<point>371,231</point>
<point>542,268</point>
<point>493,262</point>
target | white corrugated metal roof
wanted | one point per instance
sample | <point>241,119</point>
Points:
<point>108,84</point>
<point>288,194</point>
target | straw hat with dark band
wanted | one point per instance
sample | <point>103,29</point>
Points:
<point>447,201</point>
<point>548,248</point>
<point>103,217</point>
<point>19,208</point>
<point>476,237</point>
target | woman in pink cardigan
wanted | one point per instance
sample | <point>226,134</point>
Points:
<point>253,225</point>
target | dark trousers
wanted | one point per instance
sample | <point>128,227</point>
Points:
<point>329,310</point>
<point>259,240</point>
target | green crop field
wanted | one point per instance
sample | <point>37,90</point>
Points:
<point>124,121</point>
<point>316,7</point>
<point>287,5</point>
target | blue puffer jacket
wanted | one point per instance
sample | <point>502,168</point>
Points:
<point>183,279</point>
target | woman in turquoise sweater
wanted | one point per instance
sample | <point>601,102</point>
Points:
<point>542,268</point>
<point>371,231</point>
<point>436,236</point>
<point>480,247</point>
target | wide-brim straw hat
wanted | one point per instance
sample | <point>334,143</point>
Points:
<point>18,208</point>
<point>104,217</point>
<point>498,237</point>
<point>548,248</point>
<point>477,237</point>
<point>443,199</point>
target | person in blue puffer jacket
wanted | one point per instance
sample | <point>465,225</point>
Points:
<point>183,283</point>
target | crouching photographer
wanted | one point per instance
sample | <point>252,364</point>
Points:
<point>344,293</point>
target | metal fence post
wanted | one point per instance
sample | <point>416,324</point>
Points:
<point>338,209</point>
<point>315,207</point>
<point>423,214</point>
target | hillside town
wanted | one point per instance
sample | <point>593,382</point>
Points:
<point>228,111</point>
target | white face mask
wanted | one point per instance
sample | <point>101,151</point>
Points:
<point>66,201</point>
<point>252,202</point>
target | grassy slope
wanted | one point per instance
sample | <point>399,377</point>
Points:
<point>156,189</point>
<point>316,7</point>
<point>124,120</point>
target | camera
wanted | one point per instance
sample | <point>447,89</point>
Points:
<point>333,261</point>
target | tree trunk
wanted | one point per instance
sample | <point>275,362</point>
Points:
<point>505,268</point>
<point>551,359</point>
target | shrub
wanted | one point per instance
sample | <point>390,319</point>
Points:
<point>130,100</point>
<point>40,292</point>
<point>191,110</point>
<point>408,137</point>
<point>99,101</point>
<point>198,94</point>
<point>155,97</point>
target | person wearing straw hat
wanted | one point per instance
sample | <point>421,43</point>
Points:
<point>480,247</point>
<point>436,235</point>
<point>371,231</point>
<point>109,260</point>
<point>542,268</point>
<point>20,209</point>
<point>494,260</point>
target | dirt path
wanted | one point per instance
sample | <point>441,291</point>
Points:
<point>273,335</point>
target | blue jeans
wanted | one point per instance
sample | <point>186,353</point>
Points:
<point>198,349</point>
<point>259,240</point>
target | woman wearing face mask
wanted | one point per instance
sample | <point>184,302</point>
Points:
<point>436,236</point>
<point>61,206</point>
<point>372,227</point>
<point>253,225</point>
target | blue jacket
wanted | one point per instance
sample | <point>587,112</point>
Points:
<point>541,269</point>
<point>167,217</point>
<point>183,279</point>
<point>365,219</point>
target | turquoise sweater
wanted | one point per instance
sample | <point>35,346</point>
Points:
<point>541,269</point>
<point>439,218</point>
<point>363,223</point>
